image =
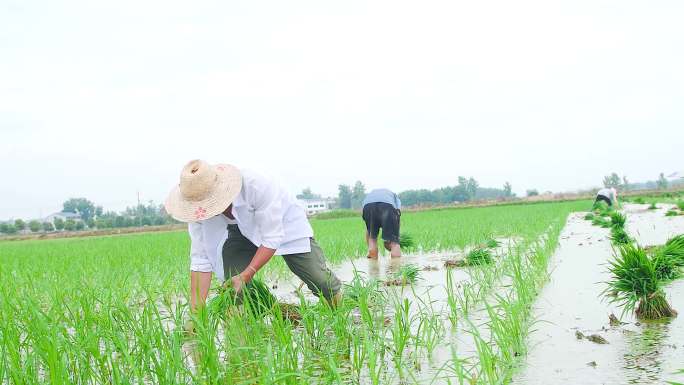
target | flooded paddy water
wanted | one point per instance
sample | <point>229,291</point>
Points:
<point>637,352</point>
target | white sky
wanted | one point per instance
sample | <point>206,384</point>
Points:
<point>104,100</point>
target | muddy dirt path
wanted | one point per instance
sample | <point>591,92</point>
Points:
<point>636,353</point>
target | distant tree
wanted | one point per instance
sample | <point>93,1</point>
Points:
<point>59,224</point>
<point>3,228</point>
<point>81,206</point>
<point>625,183</point>
<point>662,182</point>
<point>10,229</point>
<point>158,221</point>
<point>508,190</point>
<point>308,194</point>
<point>532,192</point>
<point>98,211</point>
<point>146,221</point>
<point>129,222</point>
<point>79,225</point>
<point>358,194</point>
<point>612,180</point>
<point>471,188</point>
<point>91,223</point>
<point>69,225</point>
<point>344,196</point>
<point>48,227</point>
<point>34,226</point>
<point>119,221</point>
<point>20,224</point>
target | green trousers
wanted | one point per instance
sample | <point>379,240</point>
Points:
<point>310,267</point>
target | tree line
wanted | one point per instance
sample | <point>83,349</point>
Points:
<point>93,217</point>
<point>467,189</point>
<point>622,183</point>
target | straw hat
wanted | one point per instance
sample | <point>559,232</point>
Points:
<point>204,191</point>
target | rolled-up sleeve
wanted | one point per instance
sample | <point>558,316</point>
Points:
<point>268,213</point>
<point>199,261</point>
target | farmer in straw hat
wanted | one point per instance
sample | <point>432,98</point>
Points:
<point>237,221</point>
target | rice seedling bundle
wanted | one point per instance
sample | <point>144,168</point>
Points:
<point>674,247</point>
<point>589,216</point>
<point>671,213</point>
<point>600,207</point>
<point>406,241</point>
<point>406,275</point>
<point>255,297</point>
<point>640,200</point>
<point>680,205</point>
<point>653,206</point>
<point>619,236</point>
<point>617,220</point>
<point>634,284</point>
<point>666,265</point>
<point>493,243</point>
<point>479,256</point>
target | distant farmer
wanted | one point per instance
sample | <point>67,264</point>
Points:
<point>382,209</point>
<point>608,195</point>
<point>237,221</point>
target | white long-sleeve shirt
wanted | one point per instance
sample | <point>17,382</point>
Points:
<point>265,213</point>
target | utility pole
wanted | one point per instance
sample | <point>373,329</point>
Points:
<point>138,198</point>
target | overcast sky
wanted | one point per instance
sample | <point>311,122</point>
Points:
<point>105,100</point>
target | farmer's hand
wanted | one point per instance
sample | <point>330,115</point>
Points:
<point>238,281</point>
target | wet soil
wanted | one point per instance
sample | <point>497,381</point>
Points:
<point>637,352</point>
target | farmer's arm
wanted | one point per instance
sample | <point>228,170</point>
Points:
<point>268,214</point>
<point>200,267</point>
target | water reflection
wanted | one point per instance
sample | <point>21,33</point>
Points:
<point>643,359</point>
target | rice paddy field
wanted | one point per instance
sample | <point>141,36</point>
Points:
<point>461,307</point>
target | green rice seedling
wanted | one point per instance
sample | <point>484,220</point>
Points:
<point>479,256</point>
<point>674,247</point>
<point>635,285</point>
<point>665,264</point>
<point>406,275</point>
<point>599,221</point>
<point>639,200</point>
<point>680,205</point>
<point>619,236</point>
<point>255,297</point>
<point>406,241</point>
<point>589,216</point>
<point>617,220</point>
<point>493,243</point>
<point>671,213</point>
<point>653,206</point>
<point>599,207</point>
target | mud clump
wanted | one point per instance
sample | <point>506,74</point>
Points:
<point>595,338</point>
<point>455,263</point>
<point>614,321</point>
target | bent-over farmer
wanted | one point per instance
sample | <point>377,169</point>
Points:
<point>237,221</point>
<point>608,195</point>
<point>382,209</point>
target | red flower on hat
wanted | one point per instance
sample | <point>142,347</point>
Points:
<point>200,213</point>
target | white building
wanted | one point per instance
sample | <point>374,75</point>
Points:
<point>315,206</point>
<point>63,216</point>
